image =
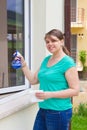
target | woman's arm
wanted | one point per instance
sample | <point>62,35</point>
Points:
<point>73,90</point>
<point>32,77</point>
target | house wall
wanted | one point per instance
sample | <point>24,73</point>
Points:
<point>21,120</point>
<point>81,42</point>
<point>45,15</point>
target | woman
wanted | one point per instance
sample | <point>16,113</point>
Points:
<point>58,78</point>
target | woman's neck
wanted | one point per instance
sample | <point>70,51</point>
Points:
<point>58,55</point>
<point>55,58</point>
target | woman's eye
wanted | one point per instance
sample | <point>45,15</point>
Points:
<point>54,40</point>
<point>47,42</point>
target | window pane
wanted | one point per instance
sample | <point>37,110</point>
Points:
<point>12,38</point>
<point>15,38</point>
<point>73,46</point>
<point>73,10</point>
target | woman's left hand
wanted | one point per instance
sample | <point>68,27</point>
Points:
<point>43,95</point>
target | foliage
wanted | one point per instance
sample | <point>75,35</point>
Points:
<point>82,57</point>
<point>81,110</point>
<point>79,119</point>
<point>78,122</point>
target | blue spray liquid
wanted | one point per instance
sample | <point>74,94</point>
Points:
<point>16,63</point>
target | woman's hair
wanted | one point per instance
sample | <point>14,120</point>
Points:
<point>57,33</point>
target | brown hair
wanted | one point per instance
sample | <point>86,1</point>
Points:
<point>57,33</point>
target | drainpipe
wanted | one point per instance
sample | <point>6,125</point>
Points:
<point>67,24</point>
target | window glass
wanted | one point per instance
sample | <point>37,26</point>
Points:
<point>73,10</point>
<point>73,46</point>
<point>11,39</point>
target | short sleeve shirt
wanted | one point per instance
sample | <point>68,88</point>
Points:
<point>53,79</point>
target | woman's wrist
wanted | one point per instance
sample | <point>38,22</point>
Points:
<point>24,64</point>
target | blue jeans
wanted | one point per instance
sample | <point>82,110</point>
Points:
<point>52,120</point>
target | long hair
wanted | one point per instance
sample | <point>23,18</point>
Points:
<point>57,33</point>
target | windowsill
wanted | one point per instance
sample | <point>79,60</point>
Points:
<point>15,102</point>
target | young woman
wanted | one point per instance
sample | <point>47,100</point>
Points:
<point>58,78</point>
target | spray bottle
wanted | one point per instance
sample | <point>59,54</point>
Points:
<point>16,63</point>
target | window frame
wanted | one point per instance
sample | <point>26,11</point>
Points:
<point>27,49</point>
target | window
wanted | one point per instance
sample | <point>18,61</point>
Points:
<point>73,46</point>
<point>15,39</point>
<point>12,37</point>
<point>73,10</point>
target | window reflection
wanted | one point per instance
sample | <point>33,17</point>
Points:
<point>15,38</point>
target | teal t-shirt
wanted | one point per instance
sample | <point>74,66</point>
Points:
<point>53,79</point>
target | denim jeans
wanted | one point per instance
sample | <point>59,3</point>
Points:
<point>52,120</point>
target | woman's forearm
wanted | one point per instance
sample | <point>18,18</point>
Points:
<point>66,93</point>
<point>32,77</point>
<point>57,94</point>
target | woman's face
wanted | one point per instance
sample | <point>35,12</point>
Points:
<point>53,44</point>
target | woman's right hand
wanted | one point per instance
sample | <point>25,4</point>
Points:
<point>21,58</point>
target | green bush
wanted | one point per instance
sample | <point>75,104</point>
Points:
<point>79,122</point>
<point>82,57</point>
<point>79,118</point>
<point>81,110</point>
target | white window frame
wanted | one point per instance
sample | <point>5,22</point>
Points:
<point>27,43</point>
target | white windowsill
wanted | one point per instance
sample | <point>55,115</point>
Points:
<point>15,102</point>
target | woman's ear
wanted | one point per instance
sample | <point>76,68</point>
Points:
<point>62,42</point>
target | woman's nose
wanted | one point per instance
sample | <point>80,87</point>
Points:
<point>50,43</point>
